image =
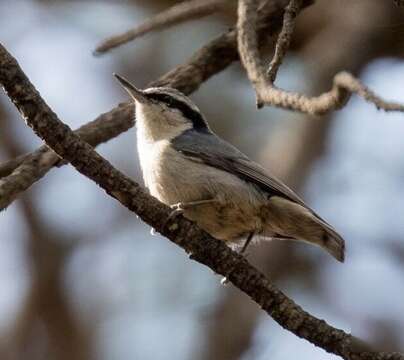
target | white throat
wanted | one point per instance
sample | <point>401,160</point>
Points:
<point>155,124</point>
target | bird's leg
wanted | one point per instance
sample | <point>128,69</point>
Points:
<point>180,207</point>
<point>247,242</point>
<point>224,280</point>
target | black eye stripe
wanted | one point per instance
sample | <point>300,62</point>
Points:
<point>193,115</point>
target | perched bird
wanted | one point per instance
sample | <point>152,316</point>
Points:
<point>188,167</point>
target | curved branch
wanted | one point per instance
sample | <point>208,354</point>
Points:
<point>344,84</point>
<point>184,11</point>
<point>201,247</point>
<point>206,62</point>
<point>284,38</point>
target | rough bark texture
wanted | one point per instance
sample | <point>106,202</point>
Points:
<point>204,249</point>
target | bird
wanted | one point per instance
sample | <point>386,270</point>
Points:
<point>188,167</point>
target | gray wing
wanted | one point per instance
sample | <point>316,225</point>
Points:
<point>218,153</point>
<point>208,148</point>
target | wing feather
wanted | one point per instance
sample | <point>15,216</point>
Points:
<point>216,152</point>
<point>213,151</point>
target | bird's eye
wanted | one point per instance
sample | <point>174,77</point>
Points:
<point>168,100</point>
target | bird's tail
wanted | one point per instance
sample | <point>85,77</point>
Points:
<point>295,221</point>
<point>331,241</point>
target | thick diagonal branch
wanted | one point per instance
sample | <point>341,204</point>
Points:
<point>206,62</point>
<point>203,248</point>
<point>184,11</point>
<point>344,84</point>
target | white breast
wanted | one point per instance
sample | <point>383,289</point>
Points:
<point>173,178</point>
<point>166,173</point>
<point>150,157</point>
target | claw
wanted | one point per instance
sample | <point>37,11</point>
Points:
<point>178,207</point>
<point>177,210</point>
<point>224,281</point>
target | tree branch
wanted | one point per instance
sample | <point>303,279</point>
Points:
<point>184,11</point>
<point>203,248</point>
<point>284,38</point>
<point>344,83</point>
<point>29,168</point>
<point>206,62</point>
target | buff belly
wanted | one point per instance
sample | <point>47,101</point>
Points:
<point>176,179</point>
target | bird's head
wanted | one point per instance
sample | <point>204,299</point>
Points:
<point>163,112</point>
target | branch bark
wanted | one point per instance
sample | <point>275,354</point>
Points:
<point>201,247</point>
<point>184,11</point>
<point>284,38</point>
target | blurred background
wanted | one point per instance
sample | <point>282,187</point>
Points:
<point>82,278</point>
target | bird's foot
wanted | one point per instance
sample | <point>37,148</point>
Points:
<point>224,281</point>
<point>245,246</point>
<point>177,209</point>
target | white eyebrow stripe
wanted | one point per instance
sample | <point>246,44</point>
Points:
<point>175,100</point>
<point>175,94</point>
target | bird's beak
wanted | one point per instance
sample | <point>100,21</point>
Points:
<point>133,91</point>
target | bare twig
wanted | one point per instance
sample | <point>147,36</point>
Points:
<point>284,38</point>
<point>209,60</point>
<point>7,167</point>
<point>247,40</point>
<point>32,167</point>
<point>203,248</point>
<point>184,11</point>
<point>344,84</point>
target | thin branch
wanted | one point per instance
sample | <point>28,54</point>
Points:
<point>35,166</point>
<point>247,40</point>
<point>184,11</point>
<point>7,167</point>
<point>284,38</point>
<point>201,247</point>
<point>344,84</point>
<point>206,62</point>
<point>32,167</point>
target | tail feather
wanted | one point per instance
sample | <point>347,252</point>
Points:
<point>333,243</point>
<point>292,220</point>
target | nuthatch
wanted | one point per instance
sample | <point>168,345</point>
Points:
<point>188,167</point>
